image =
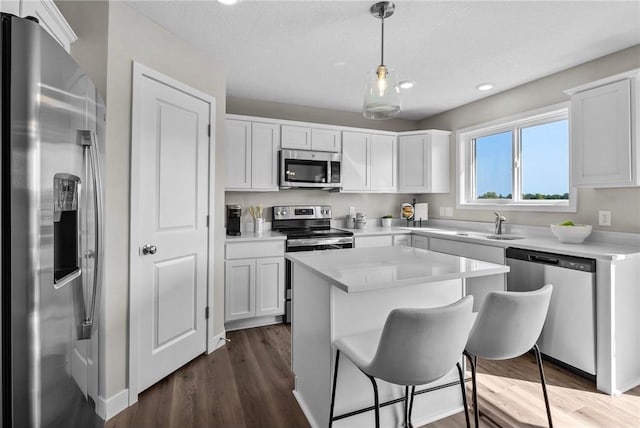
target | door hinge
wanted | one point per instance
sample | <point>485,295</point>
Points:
<point>209,130</point>
<point>207,221</point>
<point>206,313</point>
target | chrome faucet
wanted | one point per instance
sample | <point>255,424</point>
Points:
<point>499,220</point>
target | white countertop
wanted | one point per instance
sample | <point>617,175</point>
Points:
<point>268,235</point>
<point>364,269</point>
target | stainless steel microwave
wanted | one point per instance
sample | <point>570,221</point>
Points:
<point>310,169</point>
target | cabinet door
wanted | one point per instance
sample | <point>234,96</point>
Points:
<point>373,241</point>
<point>239,289</point>
<point>413,154</point>
<point>420,242</point>
<point>382,159</point>
<point>326,140</point>
<point>296,137</point>
<point>265,142</point>
<point>402,240</point>
<point>601,136</point>
<point>270,286</point>
<point>481,286</point>
<point>238,154</point>
<point>355,161</point>
<point>438,179</point>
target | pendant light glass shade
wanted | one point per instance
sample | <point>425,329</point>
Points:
<point>381,95</point>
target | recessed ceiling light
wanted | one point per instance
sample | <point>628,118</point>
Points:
<point>406,84</point>
<point>228,2</point>
<point>487,86</point>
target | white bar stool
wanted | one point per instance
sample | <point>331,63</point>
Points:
<point>508,326</point>
<point>416,346</point>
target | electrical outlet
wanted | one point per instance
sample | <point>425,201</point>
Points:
<point>448,211</point>
<point>442,212</point>
<point>352,210</point>
<point>604,218</point>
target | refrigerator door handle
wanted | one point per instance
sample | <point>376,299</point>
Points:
<point>89,142</point>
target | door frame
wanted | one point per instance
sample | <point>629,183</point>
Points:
<point>141,72</point>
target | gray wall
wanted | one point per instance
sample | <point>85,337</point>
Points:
<point>624,203</point>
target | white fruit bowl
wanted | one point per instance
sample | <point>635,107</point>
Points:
<point>571,234</point>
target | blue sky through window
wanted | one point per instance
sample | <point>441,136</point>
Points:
<point>545,161</point>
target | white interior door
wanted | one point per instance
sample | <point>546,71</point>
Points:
<point>169,225</point>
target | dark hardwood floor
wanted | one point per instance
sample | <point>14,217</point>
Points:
<point>248,383</point>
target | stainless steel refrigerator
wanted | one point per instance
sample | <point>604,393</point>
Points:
<point>52,128</point>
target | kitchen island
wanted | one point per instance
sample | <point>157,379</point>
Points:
<point>343,292</point>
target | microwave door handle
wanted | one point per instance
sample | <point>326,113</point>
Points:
<point>89,143</point>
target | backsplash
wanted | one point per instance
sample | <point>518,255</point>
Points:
<point>375,205</point>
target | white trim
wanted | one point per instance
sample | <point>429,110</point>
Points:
<point>217,342</point>
<point>139,72</point>
<point>464,165</point>
<point>108,408</point>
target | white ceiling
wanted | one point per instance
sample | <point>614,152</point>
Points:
<point>317,53</point>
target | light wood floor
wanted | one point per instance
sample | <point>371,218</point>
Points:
<point>248,383</point>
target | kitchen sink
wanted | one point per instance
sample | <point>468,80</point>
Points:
<point>504,237</point>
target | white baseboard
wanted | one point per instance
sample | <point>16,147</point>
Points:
<point>252,322</point>
<point>113,405</point>
<point>217,341</point>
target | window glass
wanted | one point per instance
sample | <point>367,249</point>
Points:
<point>545,161</point>
<point>493,160</point>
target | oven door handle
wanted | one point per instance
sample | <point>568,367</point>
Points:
<point>317,242</point>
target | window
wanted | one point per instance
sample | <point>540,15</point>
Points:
<point>519,163</point>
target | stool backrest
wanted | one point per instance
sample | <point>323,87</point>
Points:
<point>421,345</point>
<point>509,323</point>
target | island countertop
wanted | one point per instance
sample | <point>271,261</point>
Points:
<point>363,269</point>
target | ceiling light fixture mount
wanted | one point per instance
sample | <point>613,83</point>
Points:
<point>382,94</point>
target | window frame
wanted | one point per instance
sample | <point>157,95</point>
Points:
<point>466,162</point>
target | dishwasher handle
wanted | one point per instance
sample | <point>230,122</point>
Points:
<point>543,259</point>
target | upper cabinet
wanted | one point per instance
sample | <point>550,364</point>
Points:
<point>252,155</point>
<point>368,162</point>
<point>50,17</point>
<point>423,162</point>
<point>604,127</point>
<point>307,138</point>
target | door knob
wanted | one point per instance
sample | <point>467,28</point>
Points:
<point>149,249</point>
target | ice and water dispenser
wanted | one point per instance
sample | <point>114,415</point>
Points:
<point>66,230</point>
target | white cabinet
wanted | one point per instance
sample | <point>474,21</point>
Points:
<point>254,286</point>
<point>423,162</point>
<point>604,126</point>
<point>252,155</point>
<point>419,241</point>
<point>307,138</point>
<point>402,240</point>
<point>481,286</point>
<point>368,162</point>
<point>373,241</point>
<point>50,17</point>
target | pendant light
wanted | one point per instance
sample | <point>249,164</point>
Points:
<point>382,95</point>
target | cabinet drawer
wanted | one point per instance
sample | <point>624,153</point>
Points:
<point>374,241</point>
<point>485,253</point>
<point>402,240</point>
<point>245,250</point>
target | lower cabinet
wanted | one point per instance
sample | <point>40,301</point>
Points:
<point>402,240</point>
<point>254,288</point>
<point>373,241</point>
<point>477,287</point>
<point>419,241</point>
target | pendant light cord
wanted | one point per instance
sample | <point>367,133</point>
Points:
<point>382,13</point>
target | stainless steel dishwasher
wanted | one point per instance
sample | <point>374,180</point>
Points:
<point>569,333</point>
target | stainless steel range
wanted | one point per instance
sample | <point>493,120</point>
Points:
<point>308,228</point>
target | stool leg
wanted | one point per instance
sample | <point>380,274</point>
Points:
<point>544,384</point>
<point>413,396</point>
<point>474,387</point>
<point>406,405</point>
<point>464,394</point>
<point>333,392</point>
<point>375,399</point>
